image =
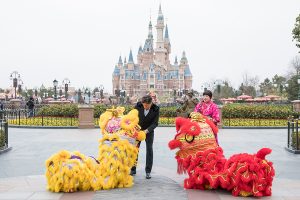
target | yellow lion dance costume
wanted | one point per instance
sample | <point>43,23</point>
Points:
<point>72,171</point>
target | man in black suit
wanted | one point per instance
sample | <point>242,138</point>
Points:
<point>148,120</point>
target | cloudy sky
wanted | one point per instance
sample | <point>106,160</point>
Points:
<point>82,39</point>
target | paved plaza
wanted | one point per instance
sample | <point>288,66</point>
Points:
<point>22,168</point>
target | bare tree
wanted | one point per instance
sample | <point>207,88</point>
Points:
<point>296,63</point>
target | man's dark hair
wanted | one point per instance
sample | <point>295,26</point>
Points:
<point>208,93</point>
<point>146,99</point>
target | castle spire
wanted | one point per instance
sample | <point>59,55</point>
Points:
<point>166,32</point>
<point>120,60</point>
<point>150,35</point>
<point>160,14</point>
<point>183,59</point>
<point>140,50</point>
<point>130,59</point>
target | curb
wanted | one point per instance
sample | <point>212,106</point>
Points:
<point>5,150</point>
<point>165,125</point>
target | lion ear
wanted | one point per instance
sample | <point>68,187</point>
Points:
<point>180,121</point>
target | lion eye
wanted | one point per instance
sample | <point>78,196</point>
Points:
<point>189,138</point>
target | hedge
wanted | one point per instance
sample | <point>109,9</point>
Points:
<point>253,111</point>
<point>258,111</point>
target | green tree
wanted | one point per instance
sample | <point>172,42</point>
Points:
<point>223,91</point>
<point>266,86</point>
<point>279,84</point>
<point>296,32</point>
<point>293,88</point>
<point>247,89</point>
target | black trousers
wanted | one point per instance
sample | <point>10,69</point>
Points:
<point>149,152</point>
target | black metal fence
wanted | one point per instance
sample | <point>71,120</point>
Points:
<point>293,137</point>
<point>26,117</point>
<point>3,134</point>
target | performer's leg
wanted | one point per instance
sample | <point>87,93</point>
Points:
<point>133,169</point>
<point>149,152</point>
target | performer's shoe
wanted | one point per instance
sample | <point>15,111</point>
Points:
<point>132,172</point>
<point>148,175</point>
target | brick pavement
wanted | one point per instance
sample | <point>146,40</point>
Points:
<point>21,168</point>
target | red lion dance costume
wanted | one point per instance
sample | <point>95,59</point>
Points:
<point>202,159</point>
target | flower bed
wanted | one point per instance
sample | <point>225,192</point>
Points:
<point>254,122</point>
<point>44,121</point>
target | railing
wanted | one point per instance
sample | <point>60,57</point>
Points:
<point>293,137</point>
<point>25,117</point>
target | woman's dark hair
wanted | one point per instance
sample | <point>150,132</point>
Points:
<point>208,93</point>
<point>147,99</point>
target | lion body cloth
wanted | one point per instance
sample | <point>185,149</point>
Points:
<point>72,171</point>
<point>203,160</point>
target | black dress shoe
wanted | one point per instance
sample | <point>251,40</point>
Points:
<point>148,175</point>
<point>132,172</point>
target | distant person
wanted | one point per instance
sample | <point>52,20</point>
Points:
<point>1,106</point>
<point>148,120</point>
<point>1,110</point>
<point>30,106</point>
<point>208,108</point>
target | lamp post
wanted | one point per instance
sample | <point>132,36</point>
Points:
<point>60,92</point>
<point>15,76</point>
<point>55,83</point>
<point>66,82</point>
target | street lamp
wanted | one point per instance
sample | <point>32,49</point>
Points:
<point>60,92</point>
<point>55,83</point>
<point>15,76</point>
<point>66,82</point>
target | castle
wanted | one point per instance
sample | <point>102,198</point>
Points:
<point>153,70</point>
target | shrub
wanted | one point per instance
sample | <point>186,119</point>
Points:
<point>256,111</point>
<point>64,110</point>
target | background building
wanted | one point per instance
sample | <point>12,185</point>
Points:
<point>153,70</point>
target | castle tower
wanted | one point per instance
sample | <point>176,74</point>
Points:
<point>130,61</point>
<point>120,62</point>
<point>140,55</point>
<point>160,50</point>
<point>167,44</point>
